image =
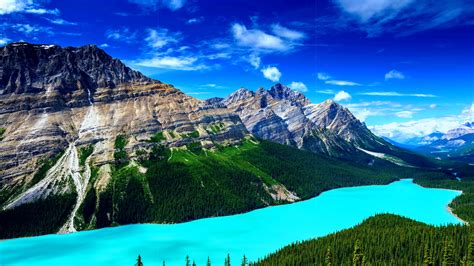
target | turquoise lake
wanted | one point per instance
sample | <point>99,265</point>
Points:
<point>254,234</point>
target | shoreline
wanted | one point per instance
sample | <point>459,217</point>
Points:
<point>450,210</point>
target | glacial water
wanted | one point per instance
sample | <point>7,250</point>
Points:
<point>254,234</point>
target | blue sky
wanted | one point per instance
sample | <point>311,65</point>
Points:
<point>394,63</point>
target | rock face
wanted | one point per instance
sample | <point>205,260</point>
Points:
<point>57,100</point>
<point>288,117</point>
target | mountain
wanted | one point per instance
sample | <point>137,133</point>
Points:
<point>455,144</point>
<point>285,116</point>
<point>86,142</point>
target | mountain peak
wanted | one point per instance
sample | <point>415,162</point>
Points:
<point>35,68</point>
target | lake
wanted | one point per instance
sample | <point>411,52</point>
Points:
<point>254,234</point>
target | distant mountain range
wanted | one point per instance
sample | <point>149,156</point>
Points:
<point>456,144</point>
<point>82,136</point>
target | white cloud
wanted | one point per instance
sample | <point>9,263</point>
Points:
<point>271,73</point>
<point>363,113</point>
<point>123,34</point>
<point>159,38</point>
<point>4,40</point>
<point>298,86</point>
<point>342,83</point>
<point>104,45</point>
<point>404,114</point>
<point>286,33</point>
<point>28,29</point>
<point>342,96</point>
<point>195,20</point>
<point>257,39</point>
<point>367,9</point>
<point>60,21</point>
<point>24,6</point>
<point>417,128</point>
<point>255,60</point>
<point>170,62</point>
<point>433,106</point>
<point>173,5</point>
<point>323,76</point>
<point>325,91</point>
<point>394,74</point>
<point>397,94</point>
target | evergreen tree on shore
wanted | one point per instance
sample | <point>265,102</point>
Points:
<point>139,261</point>
<point>208,263</point>
<point>188,262</point>
<point>244,261</point>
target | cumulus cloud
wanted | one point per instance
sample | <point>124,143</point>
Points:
<point>397,94</point>
<point>255,60</point>
<point>342,83</point>
<point>271,73</point>
<point>4,40</point>
<point>257,39</point>
<point>342,96</point>
<point>394,74</point>
<point>298,86</point>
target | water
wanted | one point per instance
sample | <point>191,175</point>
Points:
<point>254,234</point>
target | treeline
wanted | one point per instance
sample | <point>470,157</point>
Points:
<point>183,185</point>
<point>383,240</point>
<point>36,218</point>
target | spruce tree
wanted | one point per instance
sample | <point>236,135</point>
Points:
<point>208,263</point>
<point>194,263</point>
<point>328,257</point>
<point>448,255</point>
<point>357,255</point>
<point>227,260</point>
<point>188,263</point>
<point>139,261</point>
<point>427,256</point>
<point>244,261</point>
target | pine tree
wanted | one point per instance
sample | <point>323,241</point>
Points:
<point>427,256</point>
<point>328,257</point>
<point>194,263</point>
<point>357,255</point>
<point>164,264</point>
<point>188,263</point>
<point>227,260</point>
<point>208,261</point>
<point>448,255</point>
<point>468,259</point>
<point>139,261</point>
<point>244,261</point>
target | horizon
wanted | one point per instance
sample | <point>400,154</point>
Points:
<point>400,78</point>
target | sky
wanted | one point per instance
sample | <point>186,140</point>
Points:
<point>404,67</point>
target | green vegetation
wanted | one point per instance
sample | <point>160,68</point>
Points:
<point>215,128</point>
<point>382,240</point>
<point>120,154</point>
<point>41,217</point>
<point>45,165</point>
<point>2,132</point>
<point>84,153</point>
<point>172,134</point>
<point>158,137</point>
<point>194,134</point>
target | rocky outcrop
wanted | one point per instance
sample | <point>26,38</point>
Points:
<point>56,100</point>
<point>286,116</point>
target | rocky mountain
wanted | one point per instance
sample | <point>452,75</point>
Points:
<point>57,100</point>
<point>286,116</point>
<point>86,142</point>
